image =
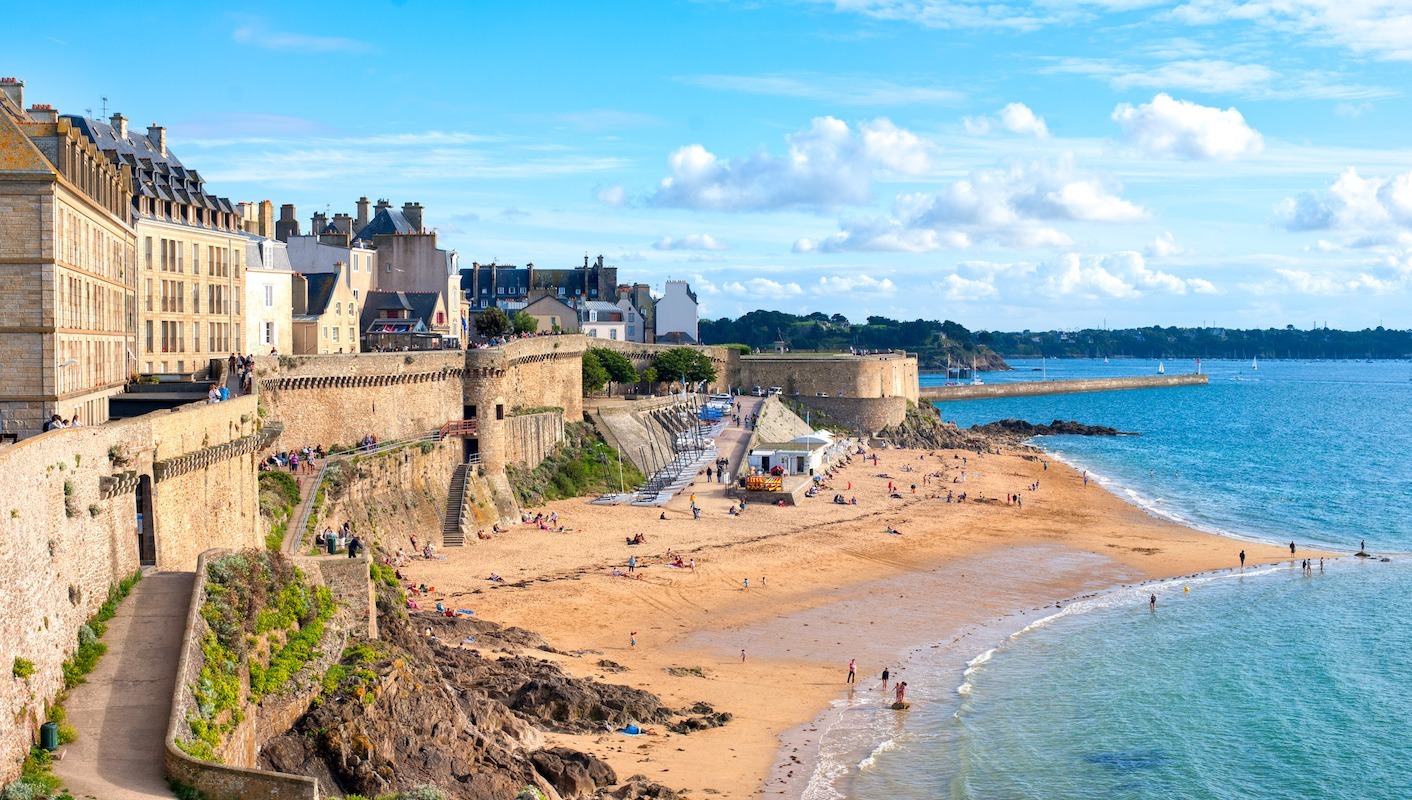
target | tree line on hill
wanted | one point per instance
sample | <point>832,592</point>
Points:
<point>935,343</point>
<point>1173,342</point>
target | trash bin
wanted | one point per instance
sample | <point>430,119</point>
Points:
<point>333,545</point>
<point>49,736</point>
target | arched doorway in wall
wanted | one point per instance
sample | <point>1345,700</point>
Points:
<point>146,526</point>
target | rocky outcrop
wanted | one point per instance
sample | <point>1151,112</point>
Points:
<point>1020,429</point>
<point>440,710</point>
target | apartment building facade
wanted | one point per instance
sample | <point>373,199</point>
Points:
<point>66,267</point>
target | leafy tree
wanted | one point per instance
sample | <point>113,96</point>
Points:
<point>839,319</point>
<point>674,363</point>
<point>524,323</point>
<point>648,376</point>
<point>617,365</point>
<point>594,373</point>
<point>493,322</point>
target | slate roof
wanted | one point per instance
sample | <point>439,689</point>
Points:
<point>420,305</point>
<point>388,221</point>
<point>321,286</point>
<point>155,174</point>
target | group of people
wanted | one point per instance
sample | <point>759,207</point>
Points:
<point>243,367</point>
<point>55,422</point>
<point>341,539</point>
<point>296,461</point>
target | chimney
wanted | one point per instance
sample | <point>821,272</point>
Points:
<point>343,223</point>
<point>288,224</point>
<point>267,219</point>
<point>43,112</point>
<point>318,223</point>
<point>14,91</point>
<point>158,135</point>
<point>383,204</point>
<point>119,123</point>
<point>363,218</point>
<point>413,213</point>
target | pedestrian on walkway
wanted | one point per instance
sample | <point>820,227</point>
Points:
<point>852,670</point>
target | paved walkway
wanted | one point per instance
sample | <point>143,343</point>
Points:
<point>121,713</point>
<point>732,441</point>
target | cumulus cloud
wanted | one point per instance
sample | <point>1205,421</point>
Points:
<point>1372,211</point>
<point>1012,207</point>
<point>853,284</point>
<point>1014,117</point>
<point>1293,281</point>
<point>691,241</point>
<point>958,289</point>
<point>1183,129</point>
<point>828,165</point>
<point>763,289</point>
<point>1121,275</point>
<point>1164,246</point>
<point>614,196</point>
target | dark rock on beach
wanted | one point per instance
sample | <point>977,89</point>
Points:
<point>1020,429</point>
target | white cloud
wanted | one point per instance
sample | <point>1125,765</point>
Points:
<point>958,289</point>
<point>614,196</point>
<point>1183,129</point>
<point>1015,117</point>
<point>256,33</point>
<point>841,89</point>
<point>853,284</point>
<point>1380,28</point>
<point>1293,281</point>
<point>763,289</point>
<point>1217,76</point>
<point>827,166</point>
<point>1164,246</point>
<point>1373,210</point>
<point>1019,16</point>
<point>1121,275</point>
<point>691,241</point>
<point>1011,207</point>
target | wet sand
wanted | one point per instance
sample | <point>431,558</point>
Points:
<point>827,583</point>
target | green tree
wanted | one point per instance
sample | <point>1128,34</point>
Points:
<point>648,376</point>
<point>594,373</point>
<point>493,322</point>
<point>524,323</point>
<point>684,361</point>
<point>617,365</point>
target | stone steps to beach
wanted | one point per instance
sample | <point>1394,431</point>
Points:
<point>451,533</point>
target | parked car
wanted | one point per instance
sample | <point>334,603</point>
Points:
<point>758,391</point>
<point>776,390</point>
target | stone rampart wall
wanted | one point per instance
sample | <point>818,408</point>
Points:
<point>391,496</point>
<point>524,373</point>
<point>1029,388</point>
<point>339,399</point>
<point>871,414</point>
<point>68,531</point>
<point>217,781</point>
<point>531,437</point>
<point>725,359</point>
<point>893,375</point>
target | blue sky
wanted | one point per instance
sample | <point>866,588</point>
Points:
<point>1004,164</point>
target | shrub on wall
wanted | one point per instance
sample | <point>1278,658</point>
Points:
<point>23,668</point>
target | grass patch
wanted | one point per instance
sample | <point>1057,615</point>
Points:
<point>581,464</point>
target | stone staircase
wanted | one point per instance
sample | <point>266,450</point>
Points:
<point>452,534</point>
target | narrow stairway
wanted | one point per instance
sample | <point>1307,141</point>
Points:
<point>451,533</point>
<point>121,711</point>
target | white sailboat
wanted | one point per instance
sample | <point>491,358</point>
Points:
<point>975,375</point>
<point>1161,368</point>
<point>1255,364</point>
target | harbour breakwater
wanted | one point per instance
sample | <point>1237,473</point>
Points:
<point>1029,388</point>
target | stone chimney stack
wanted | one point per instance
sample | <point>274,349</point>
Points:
<point>382,204</point>
<point>267,219</point>
<point>288,224</point>
<point>14,90</point>
<point>343,223</point>
<point>158,135</point>
<point>413,213</point>
<point>363,217</point>
<point>43,112</point>
<point>119,123</point>
<point>318,223</point>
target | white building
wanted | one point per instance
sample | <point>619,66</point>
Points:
<point>802,455</point>
<point>268,300</point>
<point>600,320</point>
<point>676,314</point>
<point>635,322</point>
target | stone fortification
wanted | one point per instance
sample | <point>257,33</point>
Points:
<point>339,399</point>
<point>1029,388</point>
<point>545,371</point>
<point>69,529</point>
<point>529,438</point>
<point>390,495</point>
<point>725,359</point>
<point>866,414</point>
<point>887,375</point>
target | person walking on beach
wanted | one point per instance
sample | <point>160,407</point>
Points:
<point>632,639</point>
<point>742,656</point>
<point>885,676</point>
<point>1242,559</point>
<point>901,692</point>
<point>1291,548</point>
<point>632,563</point>
<point>1152,601</point>
<point>852,669</point>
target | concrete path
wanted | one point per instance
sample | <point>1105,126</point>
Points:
<point>121,713</point>
<point>732,441</point>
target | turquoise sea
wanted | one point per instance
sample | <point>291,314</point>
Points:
<point>1261,684</point>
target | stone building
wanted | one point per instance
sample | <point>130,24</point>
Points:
<point>190,253</point>
<point>553,314</point>
<point>511,288</point>
<point>66,267</point>
<point>269,304</point>
<point>676,314</point>
<point>326,314</point>
<point>407,321</point>
<point>600,320</point>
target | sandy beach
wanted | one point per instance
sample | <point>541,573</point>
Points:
<point>827,583</point>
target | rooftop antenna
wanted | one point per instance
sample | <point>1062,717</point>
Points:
<point>105,107</point>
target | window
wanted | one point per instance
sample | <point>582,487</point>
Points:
<point>196,337</point>
<point>338,309</point>
<point>149,292</point>
<point>149,338</point>
<point>613,334</point>
<point>593,333</point>
<point>267,332</point>
<point>196,259</point>
<point>441,318</point>
<point>351,339</point>
<point>335,333</point>
<point>269,298</point>
<point>388,267</point>
<point>325,331</point>
<point>149,257</point>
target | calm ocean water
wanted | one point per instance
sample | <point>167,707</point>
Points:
<point>1262,684</point>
